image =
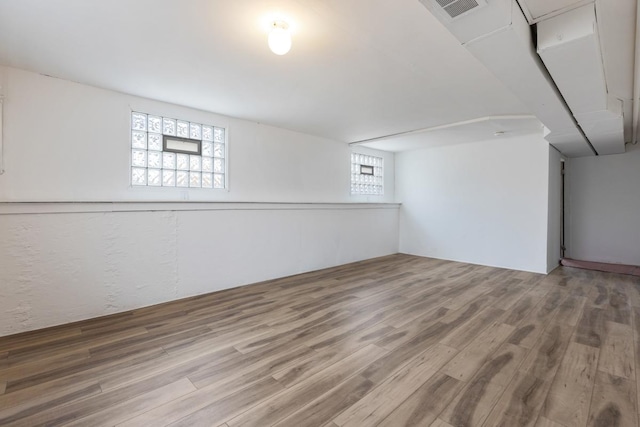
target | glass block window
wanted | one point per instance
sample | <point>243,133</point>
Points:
<point>367,175</point>
<point>160,155</point>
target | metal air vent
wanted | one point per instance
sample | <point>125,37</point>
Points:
<point>455,8</point>
<point>459,7</point>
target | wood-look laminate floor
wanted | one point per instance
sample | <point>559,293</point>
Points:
<point>395,341</point>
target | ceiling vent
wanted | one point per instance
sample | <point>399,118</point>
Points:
<point>453,9</point>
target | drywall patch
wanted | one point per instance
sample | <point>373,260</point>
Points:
<point>21,315</point>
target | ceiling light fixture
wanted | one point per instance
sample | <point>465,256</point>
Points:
<point>279,37</point>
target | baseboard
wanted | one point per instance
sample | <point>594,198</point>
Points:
<point>632,270</point>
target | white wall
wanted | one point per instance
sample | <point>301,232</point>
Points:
<point>482,203</point>
<point>66,142</point>
<point>70,142</point>
<point>554,226</point>
<point>603,208</point>
<point>63,267</point>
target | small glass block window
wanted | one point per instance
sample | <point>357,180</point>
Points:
<point>367,176</point>
<point>151,165</point>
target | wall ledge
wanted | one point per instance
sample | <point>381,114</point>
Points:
<point>26,208</point>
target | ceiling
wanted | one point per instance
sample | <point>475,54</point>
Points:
<point>358,69</point>
<point>484,129</point>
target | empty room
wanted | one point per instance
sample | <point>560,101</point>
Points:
<point>321,213</point>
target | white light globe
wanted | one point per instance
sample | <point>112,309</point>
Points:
<point>280,39</point>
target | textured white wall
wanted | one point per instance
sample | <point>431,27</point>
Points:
<point>482,203</point>
<point>603,208</point>
<point>63,267</point>
<point>69,142</point>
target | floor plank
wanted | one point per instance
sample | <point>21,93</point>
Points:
<point>466,363</point>
<point>18,410</point>
<point>378,404</point>
<point>213,410</point>
<point>570,395</point>
<point>474,402</point>
<point>531,327</point>
<point>616,354</point>
<point>521,402</point>
<point>613,402</point>
<point>323,409</point>
<point>544,358</point>
<point>290,400</point>
<point>591,326</point>
<point>424,405</point>
<point>460,337</point>
<point>546,422</point>
<point>523,306</point>
<point>137,405</point>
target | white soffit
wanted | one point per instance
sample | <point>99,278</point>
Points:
<point>617,27</point>
<point>538,10</point>
<point>479,130</point>
<point>565,141</point>
<point>569,45</point>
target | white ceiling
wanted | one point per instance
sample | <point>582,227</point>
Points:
<point>486,129</point>
<point>358,69</point>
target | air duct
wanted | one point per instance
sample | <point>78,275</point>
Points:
<point>569,45</point>
<point>499,36</point>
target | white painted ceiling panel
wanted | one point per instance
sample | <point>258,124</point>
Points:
<point>484,130</point>
<point>565,141</point>
<point>537,10</point>
<point>485,19</point>
<point>608,143</point>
